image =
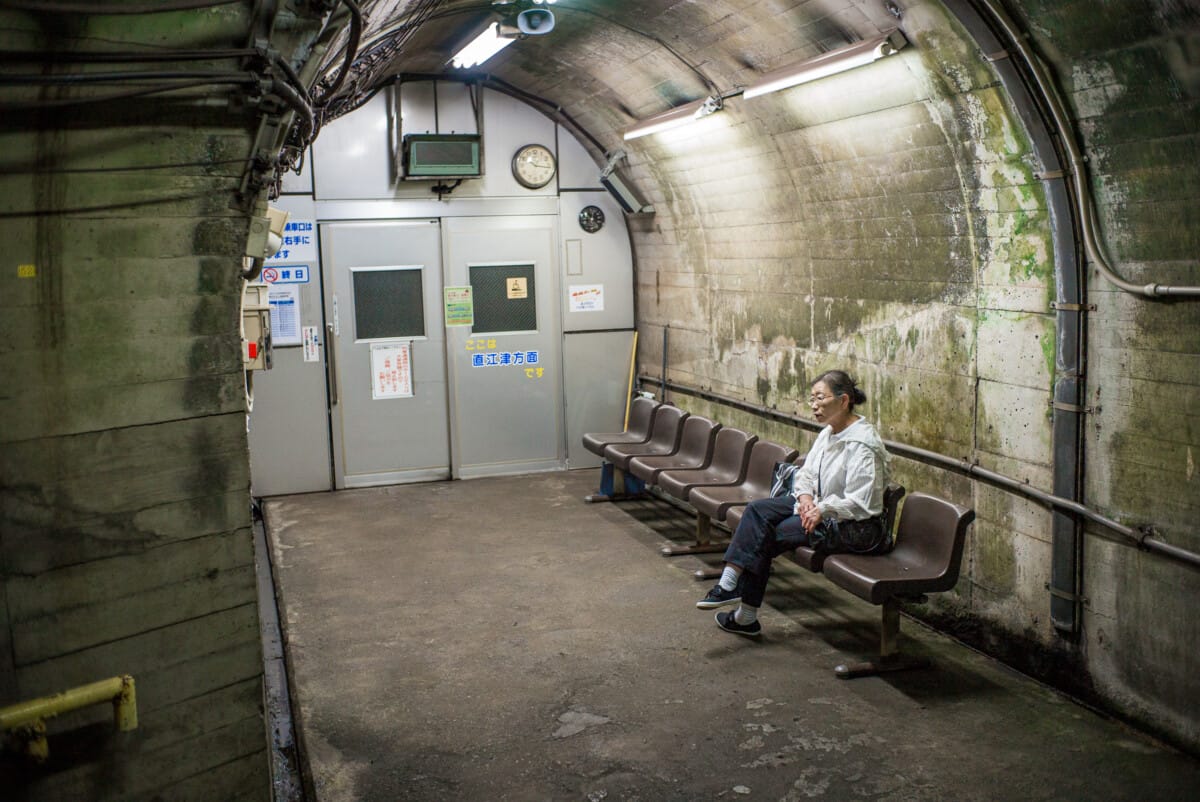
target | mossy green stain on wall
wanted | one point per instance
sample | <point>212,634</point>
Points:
<point>912,339</point>
<point>1027,262</point>
<point>946,51</point>
<point>779,322</point>
<point>788,379</point>
<point>994,562</point>
<point>1050,354</point>
<point>764,390</point>
<point>997,128</point>
<point>925,410</point>
<point>787,434</point>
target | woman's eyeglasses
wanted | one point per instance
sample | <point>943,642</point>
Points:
<point>819,399</point>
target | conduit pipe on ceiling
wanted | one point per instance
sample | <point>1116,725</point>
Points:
<point>190,79</point>
<point>352,43</point>
<point>1086,204</point>
<point>1143,538</point>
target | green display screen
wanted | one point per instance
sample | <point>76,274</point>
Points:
<point>441,155</point>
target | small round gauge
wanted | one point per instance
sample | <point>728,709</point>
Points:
<point>591,219</point>
<point>533,166</point>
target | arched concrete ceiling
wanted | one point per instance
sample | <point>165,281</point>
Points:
<point>610,63</point>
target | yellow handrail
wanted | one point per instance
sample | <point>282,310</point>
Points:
<point>27,720</point>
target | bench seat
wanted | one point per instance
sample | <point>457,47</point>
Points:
<point>641,417</point>
<point>814,560</point>
<point>695,451</point>
<point>714,502</point>
<point>665,433</point>
<point>731,455</point>
<point>926,559</point>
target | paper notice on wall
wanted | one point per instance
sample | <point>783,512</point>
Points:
<point>587,297</point>
<point>312,343</point>
<point>299,244</point>
<point>285,314</point>
<point>460,308</point>
<point>391,370</point>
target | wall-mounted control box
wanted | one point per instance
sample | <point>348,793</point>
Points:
<point>256,326</point>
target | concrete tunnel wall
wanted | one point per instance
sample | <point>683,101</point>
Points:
<point>125,540</point>
<point>889,222</point>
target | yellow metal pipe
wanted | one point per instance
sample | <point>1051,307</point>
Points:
<point>629,391</point>
<point>29,718</point>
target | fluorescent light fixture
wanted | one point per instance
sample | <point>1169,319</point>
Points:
<point>835,61</point>
<point>482,47</point>
<point>674,118</point>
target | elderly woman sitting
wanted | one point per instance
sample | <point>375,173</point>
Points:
<point>836,505</point>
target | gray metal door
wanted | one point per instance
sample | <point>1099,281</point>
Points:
<point>289,425</point>
<point>506,380</point>
<point>388,396</point>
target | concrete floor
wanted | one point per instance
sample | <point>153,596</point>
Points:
<point>499,639</point>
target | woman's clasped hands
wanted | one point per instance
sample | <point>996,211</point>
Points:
<point>810,516</point>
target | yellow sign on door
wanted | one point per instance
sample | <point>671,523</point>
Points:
<point>517,287</point>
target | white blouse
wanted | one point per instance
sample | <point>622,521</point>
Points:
<point>845,473</point>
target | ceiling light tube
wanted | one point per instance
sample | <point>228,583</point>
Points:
<point>481,48</point>
<point>835,61</point>
<point>674,118</point>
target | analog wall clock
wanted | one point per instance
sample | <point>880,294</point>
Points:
<point>533,166</point>
<point>591,219</point>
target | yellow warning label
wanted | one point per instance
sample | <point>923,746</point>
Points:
<point>26,271</point>
<point>517,287</point>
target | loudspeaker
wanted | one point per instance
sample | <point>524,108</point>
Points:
<point>623,194</point>
<point>535,21</point>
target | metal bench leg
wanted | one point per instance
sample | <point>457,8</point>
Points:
<point>703,544</point>
<point>611,478</point>
<point>889,658</point>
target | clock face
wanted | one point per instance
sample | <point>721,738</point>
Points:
<point>533,166</point>
<point>591,219</point>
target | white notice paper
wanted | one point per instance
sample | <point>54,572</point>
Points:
<point>299,244</point>
<point>311,343</point>
<point>391,370</point>
<point>285,314</point>
<point>587,297</point>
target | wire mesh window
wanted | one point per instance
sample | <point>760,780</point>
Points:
<point>388,302</point>
<point>505,298</point>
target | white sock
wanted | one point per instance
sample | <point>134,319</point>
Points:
<point>745,614</point>
<point>729,577</point>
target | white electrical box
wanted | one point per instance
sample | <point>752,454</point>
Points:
<point>256,327</point>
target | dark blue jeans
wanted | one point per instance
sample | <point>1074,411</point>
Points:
<point>768,528</point>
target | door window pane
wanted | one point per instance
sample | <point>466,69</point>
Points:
<point>388,303</point>
<point>504,298</point>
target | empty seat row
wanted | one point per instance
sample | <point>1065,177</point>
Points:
<point>691,457</point>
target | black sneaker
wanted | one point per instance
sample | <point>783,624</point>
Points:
<point>719,597</point>
<point>727,622</point>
